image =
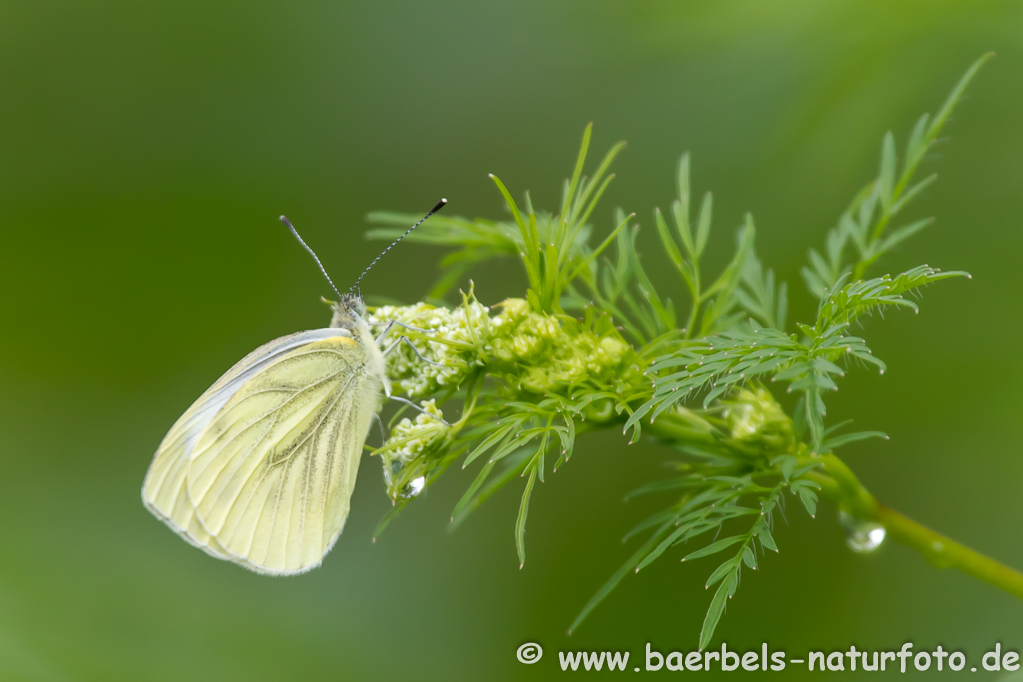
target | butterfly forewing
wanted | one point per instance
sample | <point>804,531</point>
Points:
<point>261,468</point>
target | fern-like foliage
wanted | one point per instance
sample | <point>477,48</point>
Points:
<point>864,232</point>
<point>593,345</point>
<point>809,362</point>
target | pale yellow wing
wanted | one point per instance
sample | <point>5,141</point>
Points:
<point>272,475</point>
<point>261,468</point>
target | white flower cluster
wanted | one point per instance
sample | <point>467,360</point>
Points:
<point>408,440</point>
<point>448,335</point>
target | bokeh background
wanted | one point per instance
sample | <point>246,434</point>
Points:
<point>146,150</point>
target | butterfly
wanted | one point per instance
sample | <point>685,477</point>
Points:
<point>260,469</point>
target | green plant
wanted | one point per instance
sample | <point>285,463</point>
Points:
<point>594,345</point>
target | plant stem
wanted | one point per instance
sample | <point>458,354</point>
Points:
<point>841,486</point>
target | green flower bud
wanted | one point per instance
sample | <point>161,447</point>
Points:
<point>753,417</point>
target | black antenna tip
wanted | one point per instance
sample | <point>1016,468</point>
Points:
<point>439,206</point>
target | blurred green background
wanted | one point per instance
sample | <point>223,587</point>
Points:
<point>146,150</point>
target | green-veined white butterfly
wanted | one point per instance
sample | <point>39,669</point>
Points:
<point>260,469</point>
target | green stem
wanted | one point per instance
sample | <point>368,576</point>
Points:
<point>840,485</point>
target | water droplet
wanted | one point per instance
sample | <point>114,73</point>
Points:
<point>862,537</point>
<point>414,487</point>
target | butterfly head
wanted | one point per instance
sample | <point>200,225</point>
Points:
<point>347,310</point>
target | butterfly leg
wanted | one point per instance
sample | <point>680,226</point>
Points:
<point>414,406</point>
<point>414,350</point>
<point>400,324</point>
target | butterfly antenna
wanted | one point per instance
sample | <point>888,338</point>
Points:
<point>439,206</point>
<point>312,253</point>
